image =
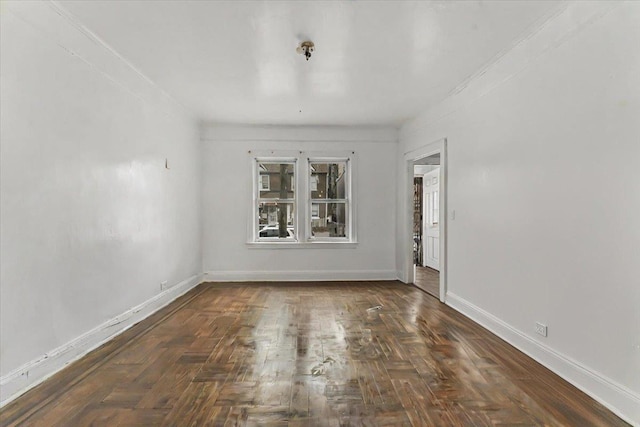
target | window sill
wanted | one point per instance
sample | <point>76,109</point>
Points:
<point>302,245</point>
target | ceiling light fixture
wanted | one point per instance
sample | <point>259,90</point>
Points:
<point>306,48</point>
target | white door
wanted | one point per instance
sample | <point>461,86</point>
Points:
<point>431,229</point>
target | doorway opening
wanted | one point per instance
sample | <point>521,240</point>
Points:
<point>426,224</point>
<point>424,241</point>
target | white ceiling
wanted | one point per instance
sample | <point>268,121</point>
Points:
<point>375,62</point>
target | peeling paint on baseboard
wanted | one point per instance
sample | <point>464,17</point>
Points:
<point>29,375</point>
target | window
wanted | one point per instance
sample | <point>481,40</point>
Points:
<point>275,203</point>
<point>265,182</point>
<point>315,211</point>
<point>321,212</point>
<point>330,198</point>
<point>313,183</point>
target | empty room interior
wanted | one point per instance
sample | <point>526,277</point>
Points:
<point>320,213</point>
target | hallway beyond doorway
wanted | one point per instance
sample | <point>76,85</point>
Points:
<point>428,280</point>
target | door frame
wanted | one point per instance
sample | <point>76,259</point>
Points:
<point>439,146</point>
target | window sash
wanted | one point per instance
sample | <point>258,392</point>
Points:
<point>311,173</point>
<point>313,201</point>
<point>275,201</point>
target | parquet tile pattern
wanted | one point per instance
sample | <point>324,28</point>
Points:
<point>319,354</point>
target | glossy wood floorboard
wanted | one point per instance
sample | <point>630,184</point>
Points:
<point>318,354</point>
<point>428,280</point>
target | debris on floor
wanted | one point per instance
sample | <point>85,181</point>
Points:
<point>321,368</point>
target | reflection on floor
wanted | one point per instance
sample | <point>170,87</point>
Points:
<point>312,354</point>
<point>428,280</point>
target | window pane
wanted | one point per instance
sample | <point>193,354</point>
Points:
<point>275,180</point>
<point>276,219</point>
<point>328,180</point>
<point>331,221</point>
<point>264,183</point>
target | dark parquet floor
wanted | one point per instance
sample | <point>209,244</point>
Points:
<point>317,354</point>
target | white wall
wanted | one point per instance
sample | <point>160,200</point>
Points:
<point>228,192</point>
<point>91,220</point>
<point>544,178</point>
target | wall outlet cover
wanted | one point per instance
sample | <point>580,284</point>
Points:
<point>541,329</point>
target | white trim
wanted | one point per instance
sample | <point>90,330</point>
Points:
<point>298,276</point>
<point>406,271</point>
<point>29,375</point>
<point>619,399</point>
<point>271,157</point>
<point>350,223</point>
<point>292,244</point>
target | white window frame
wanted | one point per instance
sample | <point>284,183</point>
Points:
<point>302,201</point>
<point>347,201</point>
<point>256,199</point>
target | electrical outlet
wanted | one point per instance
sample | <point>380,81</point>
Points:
<point>163,285</point>
<point>541,329</point>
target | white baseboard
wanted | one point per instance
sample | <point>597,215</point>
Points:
<point>619,399</point>
<point>298,276</point>
<point>29,375</point>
